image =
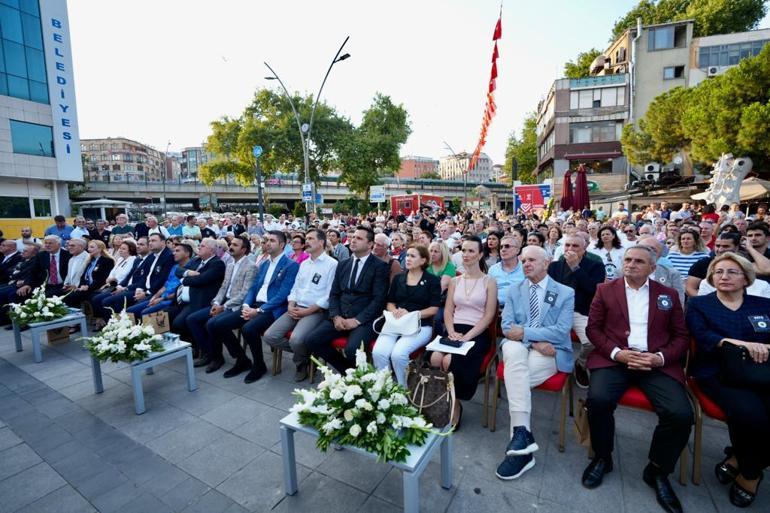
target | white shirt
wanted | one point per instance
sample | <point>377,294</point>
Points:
<point>75,269</point>
<point>158,229</point>
<point>262,294</point>
<point>121,269</point>
<point>361,262</point>
<point>638,312</point>
<point>78,233</point>
<point>156,256</point>
<point>236,266</point>
<point>314,282</point>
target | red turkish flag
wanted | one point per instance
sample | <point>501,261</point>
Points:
<point>494,70</point>
<point>495,54</point>
<point>498,29</point>
<point>492,85</point>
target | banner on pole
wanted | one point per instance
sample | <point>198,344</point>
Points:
<point>531,197</point>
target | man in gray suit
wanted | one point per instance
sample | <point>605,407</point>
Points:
<point>536,322</point>
<point>239,276</point>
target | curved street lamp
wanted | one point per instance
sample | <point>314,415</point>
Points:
<point>306,129</point>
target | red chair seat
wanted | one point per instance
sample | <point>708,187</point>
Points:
<point>574,337</point>
<point>635,398</point>
<point>553,384</point>
<point>710,408</point>
<point>340,342</point>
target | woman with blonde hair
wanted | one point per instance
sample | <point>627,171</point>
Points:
<point>98,266</point>
<point>440,264</point>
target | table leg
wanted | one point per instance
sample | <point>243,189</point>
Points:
<point>17,336</point>
<point>136,381</point>
<point>96,372</point>
<point>446,462</point>
<point>192,385</point>
<point>36,346</point>
<point>83,327</point>
<point>411,492</point>
<point>289,461</point>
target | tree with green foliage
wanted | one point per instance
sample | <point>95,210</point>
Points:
<point>430,175</point>
<point>729,113</point>
<point>524,150</point>
<point>710,16</point>
<point>371,150</point>
<point>581,66</point>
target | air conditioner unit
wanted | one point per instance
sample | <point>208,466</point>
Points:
<point>712,71</point>
<point>651,172</point>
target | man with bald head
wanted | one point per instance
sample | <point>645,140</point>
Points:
<point>578,271</point>
<point>536,322</point>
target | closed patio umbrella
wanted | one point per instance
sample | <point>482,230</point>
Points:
<point>581,199</point>
<point>566,191</point>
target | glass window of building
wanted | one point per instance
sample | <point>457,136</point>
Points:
<point>596,131</point>
<point>729,55</point>
<point>22,64</point>
<point>32,139</point>
<point>673,72</point>
<point>42,207</point>
<point>11,207</point>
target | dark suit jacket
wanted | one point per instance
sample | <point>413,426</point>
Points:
<point>205,286</point>
<point>137,274</point>
<point>43,263</point>
<point>278,289</point>
<point>7,267</point>
<point>99,275</point>
<point>608,326</point>
<point>583,280</point>
<point>366,299</point>
<point>23,271</point>
<point>160,272</point>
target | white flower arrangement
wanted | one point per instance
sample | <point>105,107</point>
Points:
<point>122,340</point>
<point>365,408</point>
<point>38,308</point>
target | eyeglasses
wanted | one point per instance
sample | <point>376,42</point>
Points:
<point>732,273</point>
<point>507,246</point>
<point>629,231</point>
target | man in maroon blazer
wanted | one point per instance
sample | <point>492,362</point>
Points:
<point>637,328</point>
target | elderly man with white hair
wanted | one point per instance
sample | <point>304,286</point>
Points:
<point>77,263</point>
<point>380,250</point>
<point>536,322</point>
<point>154,227</point>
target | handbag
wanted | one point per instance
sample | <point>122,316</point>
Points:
<point>406,325</point>
<point>582,430</point>
<point>432,392</point>
<point>738,369</point>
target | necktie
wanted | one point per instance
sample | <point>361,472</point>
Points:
<point>53,273</point>
<point>354,274</point>
<point>534,307</point>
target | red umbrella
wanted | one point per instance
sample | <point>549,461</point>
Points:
<point>581,200</point>
<point>566,191</point>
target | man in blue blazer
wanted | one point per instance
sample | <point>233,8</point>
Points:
<point>536,322</point>
<point>263,304</point>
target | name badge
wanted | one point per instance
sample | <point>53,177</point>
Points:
<point>316,278</point>
<point>665,302</point>
<point>761,323</point>
<point>550,298</point>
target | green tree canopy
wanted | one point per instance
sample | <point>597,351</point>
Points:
<point>524,150</point>
<point>710,16</point>
<point>581,66</point>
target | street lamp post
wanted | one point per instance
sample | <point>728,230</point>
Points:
<point>165,170</point>
<point>306,129</point>
<point>257,152</point>
<point>465,174</point>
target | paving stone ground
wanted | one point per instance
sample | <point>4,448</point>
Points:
<point>64,449</point>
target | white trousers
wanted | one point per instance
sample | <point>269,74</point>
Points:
<point>579,323</point>
<point>524,370</point>
<point>396,350</point>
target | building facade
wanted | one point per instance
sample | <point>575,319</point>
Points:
<point>191,160</point>
<point>39,140</point>
<point>414,167</point>
<point>453,167</point>
<point>122,160</point>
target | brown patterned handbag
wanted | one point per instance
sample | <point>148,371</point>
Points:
<point>432,392</point>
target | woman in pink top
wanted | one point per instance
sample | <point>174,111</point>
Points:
<point>298,248</point>
<point>470,308</point>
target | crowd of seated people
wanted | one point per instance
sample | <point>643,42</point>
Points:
<point>524,286</point>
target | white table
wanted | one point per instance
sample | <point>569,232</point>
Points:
<point>74,318</point>
<point>412,468</point>
<point>170,352</point>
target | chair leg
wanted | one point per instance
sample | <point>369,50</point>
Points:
<point>683,467</point>
<point>485,416</point>
<point>563,416</point>
<point>571,396</point>
<point>311,371</point>
<point>493,413</point>
<point>697,445</point>
<point>277,360</point>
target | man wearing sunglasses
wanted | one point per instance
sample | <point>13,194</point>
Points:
<point>508,270</point>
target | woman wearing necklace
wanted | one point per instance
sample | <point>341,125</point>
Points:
<point>718,322</point>
<point>470,308</point>
<point>414,290</point>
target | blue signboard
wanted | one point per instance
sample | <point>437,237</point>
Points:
<point>531,197</point>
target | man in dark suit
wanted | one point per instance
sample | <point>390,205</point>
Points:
<point>51,267</point>
<point>265,302</point>
<point>357,298</point>
<point>153,273</point>
<point>10,257</point>
<point>20,275</point>
<point>637,328</point>
<point>577,270</point>
<point>197,288</point>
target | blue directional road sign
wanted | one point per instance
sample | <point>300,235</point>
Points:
<point>257,151</point>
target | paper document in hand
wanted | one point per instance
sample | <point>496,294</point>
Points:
<point>436,345</point>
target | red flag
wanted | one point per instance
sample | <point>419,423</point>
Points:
<point>494,70</point>
<point>498,29</point>
<point>495,54</point>
<point>492,85</point>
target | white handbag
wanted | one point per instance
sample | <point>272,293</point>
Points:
<point>406,325</point>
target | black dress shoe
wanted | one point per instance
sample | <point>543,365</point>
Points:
<point>663,490</point>
<point>594,472</point>
<point>240,366</point>
<point>725,472</point>
<point>256,372</point>
<point>741,497</point>
<point>214,366</point>
<point>202,362</point>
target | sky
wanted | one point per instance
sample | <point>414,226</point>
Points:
<point>159,71</point>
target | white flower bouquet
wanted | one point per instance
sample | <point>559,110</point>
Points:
<point>123,341</point>
<point>38,308</point>
<point>364,408</point>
